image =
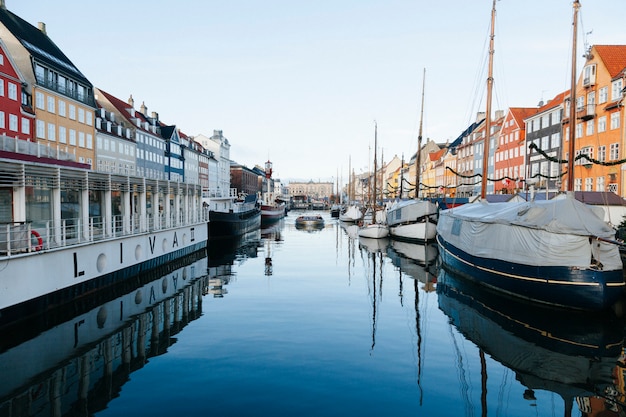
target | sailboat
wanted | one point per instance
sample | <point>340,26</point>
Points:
<point>376,229</point>
<point>414,220</point>
<point>558,252</point>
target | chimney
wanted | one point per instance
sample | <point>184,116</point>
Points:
<point>42,27</point>
<point>131,101</point>
<point>3,5</point>
<point>155,116</point>
<point>143,108</point>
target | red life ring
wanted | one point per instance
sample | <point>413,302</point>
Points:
<point>39,245</point>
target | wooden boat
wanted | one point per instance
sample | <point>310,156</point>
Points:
<point>376,228</point>
<point>351,215</point>
<point>414,220</point>
<point>310,221</point>
<point>559,252</point>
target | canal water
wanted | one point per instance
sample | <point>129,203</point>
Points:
<point>310,322</point>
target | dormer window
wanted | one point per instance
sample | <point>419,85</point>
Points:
<point>589,75</point>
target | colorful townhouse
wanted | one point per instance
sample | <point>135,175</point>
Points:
<point>16,115</point>
<point>599,120</point>
<point>544,131</point>
<point>63,97</point>
<point>510,151</point>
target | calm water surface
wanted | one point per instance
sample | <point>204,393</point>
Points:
<point>311,323</point>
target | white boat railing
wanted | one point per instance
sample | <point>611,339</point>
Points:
<point>25,237</point>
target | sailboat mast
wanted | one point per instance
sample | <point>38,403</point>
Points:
<point>487,140</point>
<point>418,156</point>
<point>572,104</point>
<point>375,168</point>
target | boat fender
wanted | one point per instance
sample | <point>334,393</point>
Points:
<point>39,245</point>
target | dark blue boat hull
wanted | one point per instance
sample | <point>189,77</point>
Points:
<point>583,289</point>
<point>225,225</point>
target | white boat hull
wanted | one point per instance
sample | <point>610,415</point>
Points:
<point>419,232</point>
<point>30,276</point>
<point>374,231</point>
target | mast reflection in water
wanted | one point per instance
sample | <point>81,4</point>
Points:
<point>572,354</point>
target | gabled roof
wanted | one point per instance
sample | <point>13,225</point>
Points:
<point>40,46</point>
<point>521,113</point>
<point>435,156</point>
<point>122,107</point>
<point>613,57</point>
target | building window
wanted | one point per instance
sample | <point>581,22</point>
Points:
<point>1,88</point>
<point>12,91</point>
<point>52,132</point>
<point>615,120</point>
<point>601,153</point>
<point>590,127</point>
<point>602,124</point>
<point>13,123</point>
<point>81,139</point>
<point>600,184</point>
<point>72,137</point>
<point>81,115</point>
<point>41,129</point>
<point>603,95</point>
<point>50,104</point>
<point>62,134</point>
<point>616,89</point>
<point>588,184</point>
<point>25,126</point>
<point>61,108</point>
<point>614,151</point>
<point>72,112</point>
<point>578,183</point>
<point>39,100</point>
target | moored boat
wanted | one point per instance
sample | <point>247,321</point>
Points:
<point>559,252</point>
<point>271,213</point>
<point>233,216</point>
<point>92,248</point>
<point>352,214</point>
<point>413,220</point>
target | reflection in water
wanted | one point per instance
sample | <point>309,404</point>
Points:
<point>374,258</point>
<point>568,353</point>
<point>73,361</point>
<point>271,235</point>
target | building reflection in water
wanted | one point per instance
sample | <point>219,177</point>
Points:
<point>73,361</point>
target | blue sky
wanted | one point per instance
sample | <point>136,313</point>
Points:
<point>301,82</point>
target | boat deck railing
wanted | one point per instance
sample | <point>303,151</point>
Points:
<point>24,237</point>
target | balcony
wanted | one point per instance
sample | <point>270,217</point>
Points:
<point>586,112</point>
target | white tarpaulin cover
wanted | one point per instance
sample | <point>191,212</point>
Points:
<point>409,211</point>
<point>542,233</point>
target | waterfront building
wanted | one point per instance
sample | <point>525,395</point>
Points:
<point>321,190</point>
<point>17,116</point>
<point>544,130</point>
<point>600,120</point>
<point>115,149</point>
<point>64,102</point>
<point>510,152</point>
<point>218,148</point>
<point>244,179</point>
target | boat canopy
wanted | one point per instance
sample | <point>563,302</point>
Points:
<point>554,232</point>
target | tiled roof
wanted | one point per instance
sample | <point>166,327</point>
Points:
<point>613,57</point>
<point>40,46</point>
